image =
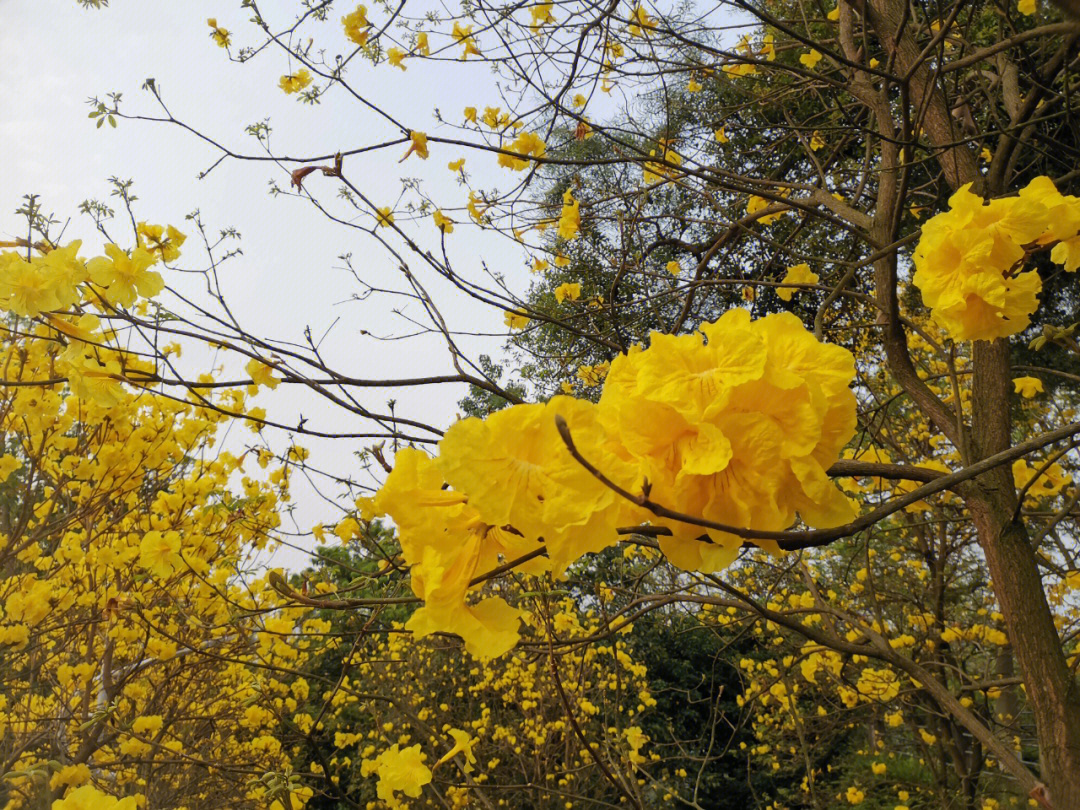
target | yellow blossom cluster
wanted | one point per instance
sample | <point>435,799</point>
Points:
<point>295,82</point>
<point>134,529</point>
<point>496,720</point>
<point>526,144</point>
<point>735,424</point>
<point>64,290</point>
<point>969,264</point>
<point>654,172</point>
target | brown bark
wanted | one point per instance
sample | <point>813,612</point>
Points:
<point>1010,558</point>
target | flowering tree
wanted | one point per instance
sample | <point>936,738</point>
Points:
<point>127,642</point>
<point>725,322</point>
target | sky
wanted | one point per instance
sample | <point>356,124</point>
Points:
<point>58,55</point>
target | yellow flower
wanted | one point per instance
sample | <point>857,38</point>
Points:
<point>651,172</point>
<point>721,135</point>
<point>640,22</point>
<point>878,768</point>
<point>541,15</point>
<point>148,725</point>
<point>28,289</point>
<point>295,82</point>
<point>740,69</point>
<point>164,243</point>
<point>384,217</point>
<point>816,141</point>
<point>966,261</point>
<point>63,271</point>
<point>693,86</point>
<point>456,165</point>
<point>768,50</point>
<point>756,203</point>
<point>463,34</point>
<point>357,25</point>
<point>92,377</point>
<point>124,276</point>
<point>464,743</point>
<point>261,374</point>
<point>799,274</point>
<point>474,210</point>
<point>674,268</point>
<point>8,465</point>
<point>470,114</point>
<point>1027,7</point>
<point>592,376</point>
<point>526,144</point>
<point>635,737</point>
<point>446,543</point>
<point>1027,387</point>
<point>569,290</point>
<point>515,320</point>
<point>89,797</point>
<point>854,795</point>
<point>218,34</point>
<point>739,429</point>
<point>579,100</point>
<point>422,46</point>
<point>71,776</point>
<point>418,145</point>
<point>833,15</point>
<point>159,553</point>
<point>810,58</point>
<point>517,472</point>
<point>878,684</point>
<point>570,218</point>
<point>399,770</point>
<point>394,57</point>
<point>443,223</point>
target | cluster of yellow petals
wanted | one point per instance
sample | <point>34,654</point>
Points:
<point>295,82</point>
<point>738,429</point>
<point>161,240</point>
<point>147,524</point>
<point>398,769</point>
<point>463,35</point>
<point>89,797</point>
<point>58,280</point>
<point>969,262</point>
<point>570,217</point>
<point>799,274</point>
<point>736,424</point>
<point>357,26</point>
<point>641,23</point>
<point>652,172</point>
<point>526,144</point>
<point>221,36</point>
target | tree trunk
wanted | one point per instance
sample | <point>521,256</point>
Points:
<point>1013,567</point>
